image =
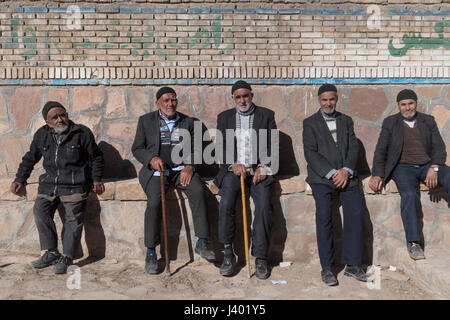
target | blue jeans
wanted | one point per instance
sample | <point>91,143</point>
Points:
<point>407,178</point>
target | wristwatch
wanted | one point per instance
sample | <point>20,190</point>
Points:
<point>436,169</point>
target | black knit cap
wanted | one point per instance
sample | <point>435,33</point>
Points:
<point>326,87</point>
<point>164,90</point>
<point>240,84</point>
<point>50,105</point>
<point>406,94</point>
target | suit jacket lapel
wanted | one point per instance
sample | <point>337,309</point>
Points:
<point>422,129</point>
<point>155,125</point>
<point>341,141</point>
<point>257,119</point>
<point>324,128</point>
<point>398,133</point>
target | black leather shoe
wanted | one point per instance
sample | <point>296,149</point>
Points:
<point>61,266</point>
<point>261,269</point>
<point>48,258</point>
<point>202,248</point>
<point>356,272</point>
<point>415,251</point>
<point>151,264</point>
<point>328,277</point>
<point>229,259</point>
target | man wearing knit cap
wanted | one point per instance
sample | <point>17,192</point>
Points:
<point>73,166</point>
<point>157,134</point>
<point>244,119</point>
<point>410,149</point>
<point>331,151</point>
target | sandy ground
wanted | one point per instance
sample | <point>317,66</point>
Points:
<point>113,279</point>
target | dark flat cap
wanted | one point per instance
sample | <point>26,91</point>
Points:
<point>164,90</point>
<point>406,94</point>
<point>50,105</point>
<point>240,84</point>
<point>326,87</point>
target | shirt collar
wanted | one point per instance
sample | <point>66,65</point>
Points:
<point>328,117</point>
<point>169,120</point>
<point>248,112</point>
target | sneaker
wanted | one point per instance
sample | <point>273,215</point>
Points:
<point>151,264</point>
<point>229,259</point>
<point>356,272</point>
<point>47,259</point>
<point>61,266</point>
<point>415,251</point>
<point>202,248</point>
<point>262,271</point>
<point>328,277</point>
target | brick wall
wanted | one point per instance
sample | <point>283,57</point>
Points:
<point>208,43</point>
<point>106,70</point>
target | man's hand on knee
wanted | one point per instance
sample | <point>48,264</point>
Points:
<point>186,175</point>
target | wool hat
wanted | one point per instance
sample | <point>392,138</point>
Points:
<point>406,94</point>
<point>240,84</point>
<point>164,90</point>
<point>326,87</point>
<point>50,105</point>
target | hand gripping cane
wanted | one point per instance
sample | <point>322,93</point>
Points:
<point>164,218</point>
<point>244,220</point>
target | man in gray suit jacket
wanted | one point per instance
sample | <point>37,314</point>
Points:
<point>410,149</point>
<point>331,150</point>
<point>157,134</point>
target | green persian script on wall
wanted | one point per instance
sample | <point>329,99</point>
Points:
<point>204,38</point>
<point>29,42</point>
<point>419,42</point>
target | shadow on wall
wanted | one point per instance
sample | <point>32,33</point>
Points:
<point>363,171</point>
<point>288,163</point>
<point>94,234</point>
<point>288,168</point>
<point>116,168</point>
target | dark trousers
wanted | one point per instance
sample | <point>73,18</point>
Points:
<point>262,222</point>
<point>407,179</point>
<point>352,233</point>
<point>197,201</point>
<point>44,213</point>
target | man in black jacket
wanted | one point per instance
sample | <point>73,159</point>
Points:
<point>331,150</point>
<point>73,166</point>
<point>159,135</point>
<point>246,149</point>
<point>410,149</point>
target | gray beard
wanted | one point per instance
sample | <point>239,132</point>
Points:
<point>243,110</point>
<point>411,117</point>
<point>61,129</point>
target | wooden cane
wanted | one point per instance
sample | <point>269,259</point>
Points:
<point>244,220</point>
<point>164,218</point>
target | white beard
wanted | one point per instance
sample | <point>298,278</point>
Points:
<point>61,128</point>
<point>244,109</point>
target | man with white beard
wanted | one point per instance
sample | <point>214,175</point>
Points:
<point>246,120</point>
<point>73,166</point>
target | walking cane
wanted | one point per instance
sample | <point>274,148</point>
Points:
<point>244,220</point>
<point>164,218</point>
